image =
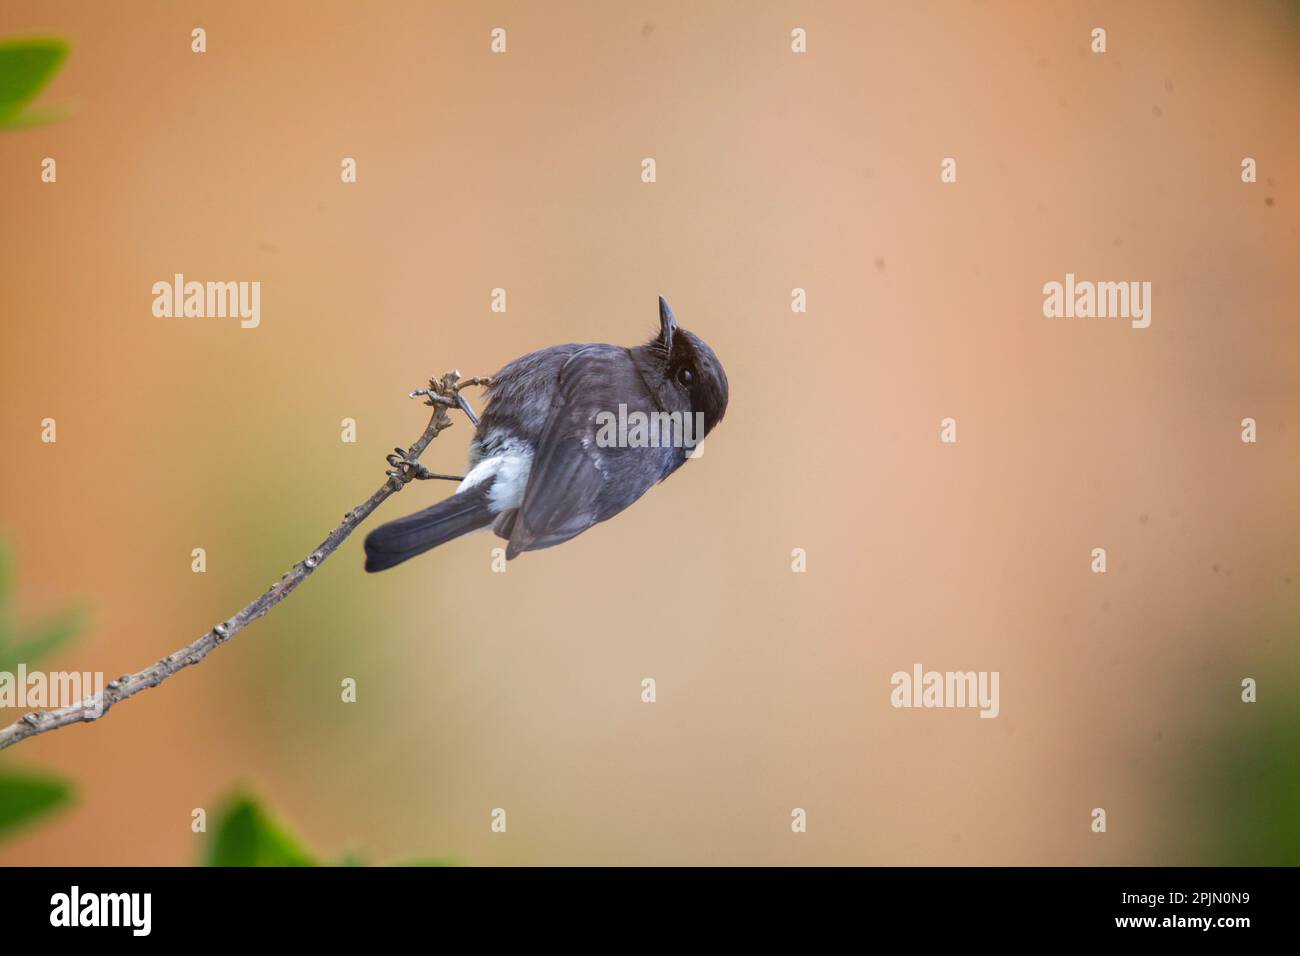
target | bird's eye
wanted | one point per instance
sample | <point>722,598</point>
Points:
<point>685,376</point>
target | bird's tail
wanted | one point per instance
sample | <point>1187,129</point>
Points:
<point>391,544</point>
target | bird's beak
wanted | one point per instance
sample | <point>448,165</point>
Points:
<point>667,323</point>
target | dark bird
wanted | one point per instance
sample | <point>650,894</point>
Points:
<point>571,436</point>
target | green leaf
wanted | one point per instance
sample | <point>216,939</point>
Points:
<point>26,66</point>
<point>25,798</point>
<point>245,835</point>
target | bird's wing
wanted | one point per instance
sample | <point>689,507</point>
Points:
<point>569,483</point>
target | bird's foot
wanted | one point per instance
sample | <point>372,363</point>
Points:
<point>403,469</point>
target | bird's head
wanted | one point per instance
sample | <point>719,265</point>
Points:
<point>683,370</point>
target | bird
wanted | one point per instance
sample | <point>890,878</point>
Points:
<point>548,460</point>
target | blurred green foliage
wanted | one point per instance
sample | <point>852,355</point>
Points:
<point>26,66</point>
<point>1250,781</point>
<point>45,638</point>
<point>245,834</point>
<point>25,796</point>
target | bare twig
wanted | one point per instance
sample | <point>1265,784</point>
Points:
<point>442,394</point>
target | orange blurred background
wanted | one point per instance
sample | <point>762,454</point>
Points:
<point>775,171</point>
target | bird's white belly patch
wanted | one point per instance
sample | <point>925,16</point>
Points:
<point>510,466</point>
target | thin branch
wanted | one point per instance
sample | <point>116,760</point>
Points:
<point>442,394</point>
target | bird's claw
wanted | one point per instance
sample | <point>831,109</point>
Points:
<point>404,468</point>
<point>443,391</point>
